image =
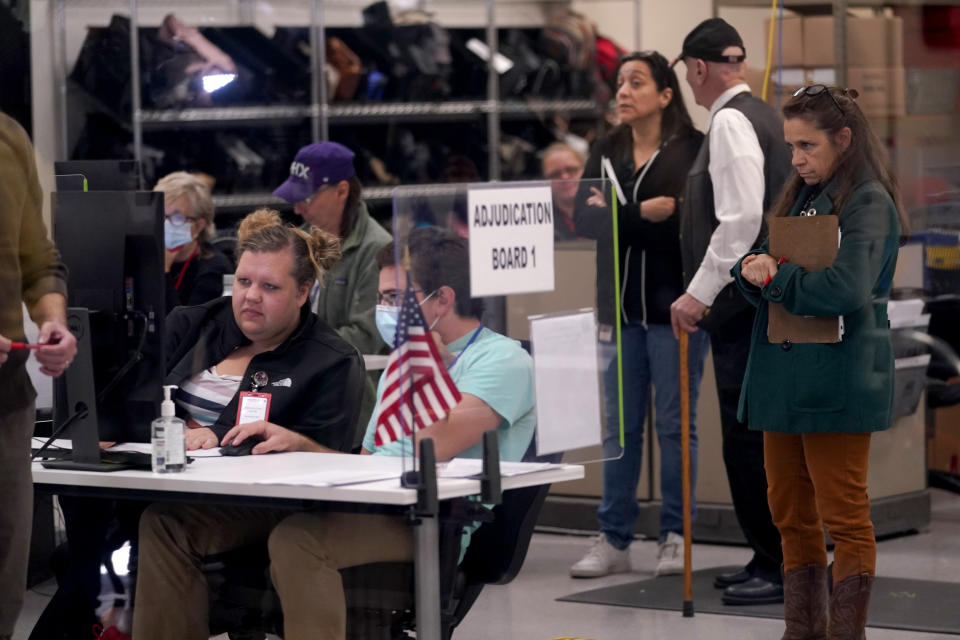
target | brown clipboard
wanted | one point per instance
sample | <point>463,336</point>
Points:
<point>810,242</point>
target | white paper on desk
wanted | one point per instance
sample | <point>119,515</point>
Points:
<point>146,447</point>
<point>138,447</point>
<point>59,443</point>
<point>213,452</point>
<point>467,467</point>
<point>332,477</point>
<point>567,381</point>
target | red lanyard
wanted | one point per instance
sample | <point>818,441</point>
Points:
<point>183,270</point>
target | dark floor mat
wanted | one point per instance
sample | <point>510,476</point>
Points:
<point>897,603</point>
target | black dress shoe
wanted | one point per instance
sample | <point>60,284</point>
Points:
<point>724,580</point>
<point>753,591</point>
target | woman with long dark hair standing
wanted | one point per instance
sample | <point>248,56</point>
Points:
<point>651,152</point>
<point>818,403</point>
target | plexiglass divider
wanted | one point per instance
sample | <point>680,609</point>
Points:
<point>519,259</point>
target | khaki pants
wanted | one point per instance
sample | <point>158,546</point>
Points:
<point>16,512</point>
<point>306,552</point>
<point>816,479</point>
<point>172,601</point>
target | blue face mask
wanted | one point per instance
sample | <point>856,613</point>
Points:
<point>175,236</point>
<point>386,319</point>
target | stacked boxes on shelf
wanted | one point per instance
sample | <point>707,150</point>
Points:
<point>874,60</point>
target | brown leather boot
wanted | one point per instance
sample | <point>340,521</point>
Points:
<point>848,608</point>
<point>805,603</point>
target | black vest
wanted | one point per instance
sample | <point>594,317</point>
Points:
<point>698,215</point>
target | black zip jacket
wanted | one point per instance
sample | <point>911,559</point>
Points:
<point>651,272</point>
<point>312,366</point>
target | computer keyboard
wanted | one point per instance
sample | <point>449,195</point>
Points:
<point>129,459</point>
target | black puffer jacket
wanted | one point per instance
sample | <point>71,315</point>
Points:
<point>308,375</point>
<point>651,273</point>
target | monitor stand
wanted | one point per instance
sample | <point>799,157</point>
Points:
<point>73,393</point>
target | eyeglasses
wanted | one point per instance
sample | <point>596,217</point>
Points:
<point>306,201</point>
<point>178,218</point>
<point>393,298</point>
<point>814,90</point>
<point>564,172</point>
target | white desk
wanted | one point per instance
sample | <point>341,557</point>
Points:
<point>234,477</point>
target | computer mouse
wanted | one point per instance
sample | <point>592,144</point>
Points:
<point>242,449</point>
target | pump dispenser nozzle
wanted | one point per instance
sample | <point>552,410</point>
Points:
<point>166,407</point>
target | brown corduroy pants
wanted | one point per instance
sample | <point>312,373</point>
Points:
<point>816,479</point>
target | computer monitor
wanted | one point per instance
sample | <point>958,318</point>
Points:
<point>112,245</point>
<point>100,175</point>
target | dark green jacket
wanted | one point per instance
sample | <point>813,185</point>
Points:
<point>347,299</point>
<point>845,387</point>
<point>348,295</point>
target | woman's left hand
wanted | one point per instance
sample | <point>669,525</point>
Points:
<point>756,269</point>
<point>275,437</point>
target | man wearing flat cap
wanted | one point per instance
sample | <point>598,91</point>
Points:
<point>325,191</point>
<point>736,177</point>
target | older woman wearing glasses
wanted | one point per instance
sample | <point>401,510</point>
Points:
<point>194,267</point>
<point>817,404</point>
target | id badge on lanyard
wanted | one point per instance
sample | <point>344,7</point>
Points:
<point>253,406</point>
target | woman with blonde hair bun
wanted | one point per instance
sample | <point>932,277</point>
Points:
<point>265,338</point>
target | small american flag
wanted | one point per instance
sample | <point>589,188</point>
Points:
<point>417,390</point>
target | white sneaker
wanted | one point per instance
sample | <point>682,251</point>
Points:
<point>670,555</point>
<point>601,560</point>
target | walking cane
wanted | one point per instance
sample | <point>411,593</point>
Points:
<point>685,457</point>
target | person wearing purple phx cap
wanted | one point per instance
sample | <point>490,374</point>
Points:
<point>325,192</point>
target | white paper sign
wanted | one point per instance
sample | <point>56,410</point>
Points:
<point>511,240</point>
<point>567,381</point>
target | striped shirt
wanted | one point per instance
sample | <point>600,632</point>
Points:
<point>205,395</point>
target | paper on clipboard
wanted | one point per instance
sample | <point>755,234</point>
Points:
<point>566,379</point>
<point>812,243</point>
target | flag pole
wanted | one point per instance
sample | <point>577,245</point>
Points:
<point>685,456</point>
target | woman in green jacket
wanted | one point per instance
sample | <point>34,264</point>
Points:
<point>818,403</point>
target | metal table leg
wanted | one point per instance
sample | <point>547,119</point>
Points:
<point>427,571</point>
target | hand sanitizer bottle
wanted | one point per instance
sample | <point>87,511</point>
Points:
<point>167,437</point>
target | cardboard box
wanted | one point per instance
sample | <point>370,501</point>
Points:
<point>916,52</point>
<point>871,42</point>
<point>783,82</point>
<point>882,90</point>
<point>791,53</point>
<point>943,447</point>
<point>927,131</point>
<point>932,91</point>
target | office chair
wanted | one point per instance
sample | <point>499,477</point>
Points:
<point>228,246</point>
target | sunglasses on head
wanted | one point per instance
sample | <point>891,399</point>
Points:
<point>818,89</point>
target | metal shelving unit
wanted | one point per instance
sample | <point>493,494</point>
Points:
<point>320,112</point>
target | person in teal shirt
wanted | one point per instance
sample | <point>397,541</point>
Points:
<point>495,378</point>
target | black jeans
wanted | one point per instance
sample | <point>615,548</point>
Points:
<point>95,528</point>
<point>743,448</point>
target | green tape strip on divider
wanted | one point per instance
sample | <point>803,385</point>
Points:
<point>616,311</point>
